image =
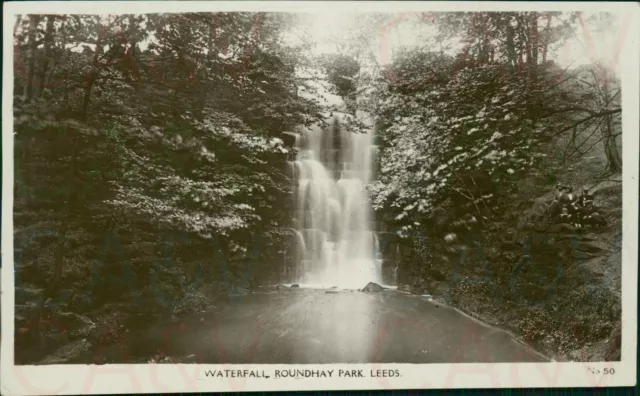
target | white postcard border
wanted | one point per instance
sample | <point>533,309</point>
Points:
<point>140,378</point>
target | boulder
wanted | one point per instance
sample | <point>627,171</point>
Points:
<point>295,285</point>
<point>372,287</point>
<point>289,138</point>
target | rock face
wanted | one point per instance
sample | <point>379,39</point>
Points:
<point>372,287</point>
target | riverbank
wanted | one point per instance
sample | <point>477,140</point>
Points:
<point>555,286</point>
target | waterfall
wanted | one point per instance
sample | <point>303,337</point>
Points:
<point>337,245</point>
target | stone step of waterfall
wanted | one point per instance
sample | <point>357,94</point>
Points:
<point>363,234</point>
<point>330,153</point>
<point>305,218</point>
<point>356,225</point>
<point>350,174</point>
<point>311,232</point>
<point>348,153</point>
<point>316,181</point>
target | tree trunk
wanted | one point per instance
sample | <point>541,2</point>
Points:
<point>62,62</point>
<point>86,99</point>
<point>527,47</point>
<point>484,47</point>
<point>65,90</point>
<point>48,39</point>
<point>16,24</point>
<point>93,74</point>
<point>207,87</point>
<point>614,158</point>
<point>534,36</point>
<point>511,50</point>
<point>547,38</point>
<point>33,47</point>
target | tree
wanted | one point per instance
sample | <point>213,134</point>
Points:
<point>342,71</point>
<point>491,109</point>
<point>34,20</point>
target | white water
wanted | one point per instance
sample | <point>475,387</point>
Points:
<point>337,245</point>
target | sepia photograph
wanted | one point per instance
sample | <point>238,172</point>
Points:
<point>292,194</point>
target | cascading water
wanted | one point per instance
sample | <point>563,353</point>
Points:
<point>337,245</point>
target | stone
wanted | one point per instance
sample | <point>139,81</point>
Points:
<point>577,254</point>
<point>295,285</point>
<point>372,287</point>
<point>562,227</point>
<point>21,321</point>
<point>63,297</point>
<point>75,324</point>
<point>67,353</point>
<point>539,239</point>
<point>54,340</point>
<point>590,247</point>
<point>289,138</point>
<point>331,291</point>
<point>25,310</point>
<point>595,267</point>
<point>404,288</point>
<point>240,291</point>
<point>573,237</point>
<point>26,294</point>
<point>190,359</point>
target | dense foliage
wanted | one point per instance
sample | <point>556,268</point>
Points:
<point>455,128</point>
<point>150,153</point>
